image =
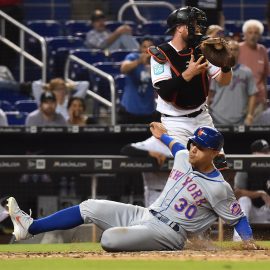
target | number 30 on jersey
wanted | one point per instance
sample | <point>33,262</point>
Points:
<point>183,206</point>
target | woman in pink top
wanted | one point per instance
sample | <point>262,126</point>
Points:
<point>255,56</point>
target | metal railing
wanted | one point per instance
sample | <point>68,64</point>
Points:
<point>135,4</point>
<point>21,48</point>
<point>111,104</point>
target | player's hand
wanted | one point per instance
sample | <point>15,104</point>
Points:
<point>158,156</point>
<point>194,68</point>
<point>157,129</point>
<point>250,245</point>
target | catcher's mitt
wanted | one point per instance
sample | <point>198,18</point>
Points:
<point>217,52</point>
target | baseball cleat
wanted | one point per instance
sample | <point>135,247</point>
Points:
<point>21,221</point>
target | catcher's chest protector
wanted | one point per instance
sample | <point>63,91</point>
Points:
<point>197,88</point>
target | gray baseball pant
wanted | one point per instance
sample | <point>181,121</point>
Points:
<point>130,228</point>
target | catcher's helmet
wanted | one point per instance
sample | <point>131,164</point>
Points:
<point>207,137</point>
<point>186,15</point>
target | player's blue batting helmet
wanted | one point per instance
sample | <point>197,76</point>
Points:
<point>207,137</point>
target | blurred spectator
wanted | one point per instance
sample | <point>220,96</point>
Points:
<point>263,119</point>
<point>14,9</point>
<point>46,115</point>
<point>3,119</point>
<point>7,81</point>
<point>213,10</point>
<point>215,30</point>
<point>101,38</point>
<point>76,110</point>
<point>255,56</point>
<point>5,74</point>
<point>234,104</point>
<point>62,91</point>
<point>138,100</point>
<point>154,182</point>
<point>253,189</point>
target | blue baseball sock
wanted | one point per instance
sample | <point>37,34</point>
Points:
<point>62,220</point>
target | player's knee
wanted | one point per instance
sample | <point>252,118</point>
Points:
<point>108,242</point>
<point>89,208</point>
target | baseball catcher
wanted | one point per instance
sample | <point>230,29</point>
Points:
<point>181,69</point>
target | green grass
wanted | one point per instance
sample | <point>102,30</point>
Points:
<point>50,247</point>
<point>78,264</point>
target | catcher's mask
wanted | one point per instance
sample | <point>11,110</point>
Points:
<point>192,17</point>
<point>207,137</point>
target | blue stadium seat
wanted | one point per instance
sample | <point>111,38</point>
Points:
<point>46,28</point>
<point>81,35</point>
<point>113,68</point>
<point>265,41</point>
<point>6,105</point>
<point>153,28</point>
<point>54,44</point>
<point>119,55</point>
<point>16,118</point>
<point>89,55</point>
<point>57,64</point>
<point>233,26</point>
<point>11,96</point>
<point>26,105</point>
<point>78,72</point>
<point>64,41</point>
<point>72,27</point>
<point>101,84</point>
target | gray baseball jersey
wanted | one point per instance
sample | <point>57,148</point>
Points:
<point>194,200</point>
<point>191,199</point>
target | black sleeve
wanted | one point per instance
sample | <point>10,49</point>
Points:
<point>167,89</point>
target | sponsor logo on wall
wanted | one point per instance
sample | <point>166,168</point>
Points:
<point>104,164</point>
<point>69,164</point>
<point>38,164</point>
<point>10,164</point>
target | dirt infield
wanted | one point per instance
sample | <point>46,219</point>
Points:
<point>214,255</point>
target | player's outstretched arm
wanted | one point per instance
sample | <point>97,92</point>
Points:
<point>244,230</point>
<point>159,132</point>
